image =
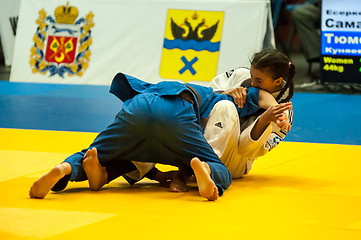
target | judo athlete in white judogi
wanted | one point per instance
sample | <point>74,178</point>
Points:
<point>230,136</point>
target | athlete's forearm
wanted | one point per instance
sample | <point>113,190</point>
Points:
<point>259,127</point>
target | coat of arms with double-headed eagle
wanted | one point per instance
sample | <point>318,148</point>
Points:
<point>191,45</point>
<point>62,45</point>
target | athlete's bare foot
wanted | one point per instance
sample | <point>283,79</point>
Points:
<point>179,182</point>
<point>42,186</point>
<point>206,186</point>
<point>97,175</point>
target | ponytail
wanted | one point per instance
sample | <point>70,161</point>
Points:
<point>289,85</point>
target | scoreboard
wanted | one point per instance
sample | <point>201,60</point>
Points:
<point>341,41</point>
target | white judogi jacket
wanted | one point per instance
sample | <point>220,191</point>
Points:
<point>230,136</point>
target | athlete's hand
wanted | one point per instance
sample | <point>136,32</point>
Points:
<point>276,114</point>
<point>238,94</point>
<point>283,122</point>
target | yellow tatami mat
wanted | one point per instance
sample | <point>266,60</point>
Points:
<point>297,191</point>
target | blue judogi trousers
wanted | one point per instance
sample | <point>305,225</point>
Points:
<point>153,128</point>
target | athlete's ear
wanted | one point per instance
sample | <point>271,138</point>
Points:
<point>278,81</point>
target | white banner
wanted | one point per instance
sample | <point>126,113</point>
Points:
<point>88,42</point>
<point>9,14</point>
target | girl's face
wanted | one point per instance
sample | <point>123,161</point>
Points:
<point>262,80</point>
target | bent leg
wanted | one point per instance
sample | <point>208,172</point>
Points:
<point>196,145</point>
<point>179,139</point>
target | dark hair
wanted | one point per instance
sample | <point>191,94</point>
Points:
<point>277,65</point>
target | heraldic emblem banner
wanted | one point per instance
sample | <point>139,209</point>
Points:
<point>62,45</point>
<point>191,45</point>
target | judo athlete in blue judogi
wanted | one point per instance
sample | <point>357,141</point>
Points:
<point>160,123</point>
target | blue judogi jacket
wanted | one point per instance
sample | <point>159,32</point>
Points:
<point>126,87</point>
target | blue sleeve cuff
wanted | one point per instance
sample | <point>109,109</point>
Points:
<point>251,105</point>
